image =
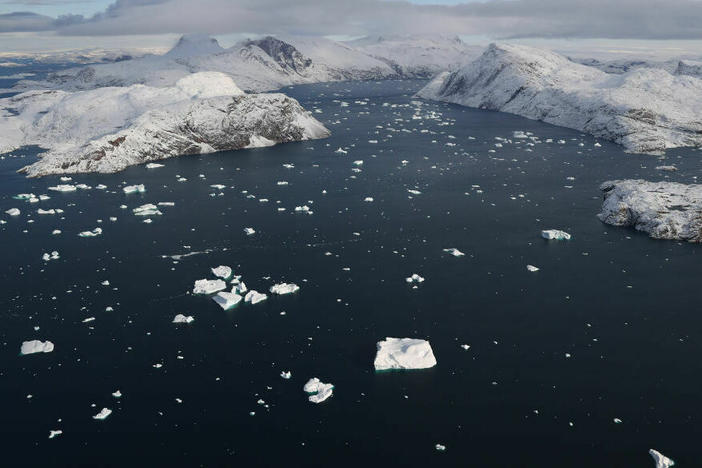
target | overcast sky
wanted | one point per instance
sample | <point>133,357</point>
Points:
<point>36,24</point>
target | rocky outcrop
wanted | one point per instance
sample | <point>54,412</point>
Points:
<point>664,210</point>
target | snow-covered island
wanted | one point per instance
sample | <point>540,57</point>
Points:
<point>647,110</point>
<point>108,129</point>
<point>664,210</point>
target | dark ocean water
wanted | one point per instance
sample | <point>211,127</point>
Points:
<point>623,306</point>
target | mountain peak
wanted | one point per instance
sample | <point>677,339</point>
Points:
<point>195,44</point>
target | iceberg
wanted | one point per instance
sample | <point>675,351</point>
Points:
<point>103,414</point>
<point>64,188</point>
<point>206,287</point>
<point>55,433</point>
<point>555,234</point>
<point>147,210</point>
<point>317,390</point>
<point>254,297</point>
<point>404,353</point>
<point>53,256</point>
<point>95,232</point>
<point>249,231</point>
<point>227,300</point>
<point>13,212</point>
<point>284,288</point>
<point>454,251</point>
<point>415,278</point>
<point>532,268</point>
<point>153,165</point>
<point>180,318</point>
<point>223,272</point>
<point>134,189</point>
<point>36,346</point>
<point>661,460</point>
<point>286,375</point>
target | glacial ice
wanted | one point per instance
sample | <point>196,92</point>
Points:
<point>103,414</point>
<point>454,251</point>
<point>227,300</point>
<point>13,212</point>
<point>404,353</point>
<point>134,189</point>
<point>206,287</point>
<point>95,232</point>
<point>223,272</point>
<point>661,460</point>
<point>36,346</point>
<point>254,297</point>
<point>284,288</point>
<point>148,209</point>
<point>249,231</point>
<point>555,234</point>
<point>180,318</point>
<point>317,390</point>
<point>532,268</point>
<point>415,278</point>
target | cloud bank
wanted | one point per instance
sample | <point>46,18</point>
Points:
<point>503,19</point>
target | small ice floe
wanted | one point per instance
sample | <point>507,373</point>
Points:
<point>94,233</point>
<point>617,421</point>
<point>165,203</point>
<point>63,188</point>
<point>51,211</point>
<point>341,151</point>
<point>254,297</point>
<point>286,375</point>
<point>661,460</point>
<point>55,433</point>
<point>56,232</point>
<point>284,288</point>
<point>465,347</point>
<point>666,168</point>
<point>223,272</point>
<point>532,268</point>
<point>440,448</point>
<point>117,394</point>
<point>88,320</point>
<point>555,234</point>
<point>36,346</point>
<point>454,251</point>
<point>414,192</point>
<point>358,162</point>
<point>227,300</point>
<point>303,209</point>
<point>153,165</point>
<point>180,318</point>
<point>205,286</point>
<point>318,391</point>
<point>368,199</point>
<point>415,278</point>
<point>147,210</point>
<point>13,212</point>
<point>103,414</point>
<point>240,287</point>
<point>249,231</point>
<point>53,256</point>
<point>404,353</point>
<point>134,189</point>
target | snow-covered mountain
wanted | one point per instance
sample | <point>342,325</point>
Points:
<point>664,210</point>
<point>646,110</point>
<point>419,56</point>
<point>270,63</point>
<point>674,67</point>
<point>110,128</point>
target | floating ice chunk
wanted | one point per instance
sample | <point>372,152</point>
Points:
<point>368,199</point>
<point>63,188</point>
<point>52,256</point>
<point>13,212</point>
<point>103,414</point>
<point>404,353</point>
<point>134,189</point>
<point>284,288</point>
<point>165,203</point>
<point>249,231</point>
<point>454,251</point>
<point>56,232</point>
<point>227,300</point>
<point>36,346</point>
<point>223,272</point>
<point>95,232</point>
<point>218,186</point>
<point>666,168</point>
<point>240,287</point>
<point>88,320</point>
<point>465,347</point>
<point>341,151</point>
<point>117,394</point>
<point>282,182</point>
<point>147,210</point>
<point>318,390</point>
<point>440,448</point>
<point>415,278</point>
<point>286,375</point>
<point>254,297</point>
<point>532,268</point>
<point>661,460</point>
<point>55,433</point>
<point>303,209</point>
<point>46,212</point>
<point>358,162</point>
<point>555,234</point>
<point>153,165</point>
<point>414,192</point>
<point>205,286</point>
<point>180,318</point>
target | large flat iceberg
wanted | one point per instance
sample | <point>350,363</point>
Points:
<point>36,346</point>
<point>404,353</point>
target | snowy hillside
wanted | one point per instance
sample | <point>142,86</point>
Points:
<point>646,110</point>
<point>108,129</point>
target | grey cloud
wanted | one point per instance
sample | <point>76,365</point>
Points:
<point>639,19</point>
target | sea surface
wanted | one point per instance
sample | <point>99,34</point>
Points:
<point>608,328</point>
